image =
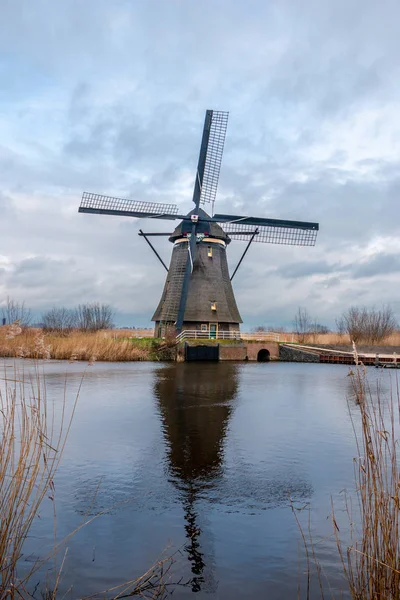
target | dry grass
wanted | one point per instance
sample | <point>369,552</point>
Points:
<point>336,339</point>
<point>329,339</point>
<point>118,344</point>
<point>30,451</point>
<point>132,333</point>
<point>372,562</point>
<point>103,345</point>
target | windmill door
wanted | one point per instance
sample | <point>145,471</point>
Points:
<point>213,331</point>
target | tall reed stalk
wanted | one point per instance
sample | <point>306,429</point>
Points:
<point>31,446</point>
<point>372,562</point>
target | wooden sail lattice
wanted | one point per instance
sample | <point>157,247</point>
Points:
<point>271,234</point>
<point>215,149</point>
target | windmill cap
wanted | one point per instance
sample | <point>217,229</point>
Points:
<point>211,229</point>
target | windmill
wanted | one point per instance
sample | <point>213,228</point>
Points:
<point>198,292</point>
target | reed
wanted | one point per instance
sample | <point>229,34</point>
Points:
<point>31,447</point>
<point>344,340</point>
<point>372,561</point>
<point>102,345</point>
<point>370,557</point>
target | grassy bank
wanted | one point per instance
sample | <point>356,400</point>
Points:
<point>101,345</point>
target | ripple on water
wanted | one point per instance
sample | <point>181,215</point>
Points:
<point>206,457</point>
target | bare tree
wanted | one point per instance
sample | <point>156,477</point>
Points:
<point>94,316</point>
<point>16,311</point>
<point>60,320</point>
<point>382,323</point>
<point>303,324</point>
<point>86,317</point>
<point>354,322</point>
<point>341,325</point>
<point>367,325</point>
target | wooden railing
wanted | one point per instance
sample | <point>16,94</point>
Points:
<point>262,336</point>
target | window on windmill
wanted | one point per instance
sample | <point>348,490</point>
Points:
<point>204,327</point>
<point>213,306</point>
<point>209,253</point>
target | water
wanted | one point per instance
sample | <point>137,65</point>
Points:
<point>204,458</point>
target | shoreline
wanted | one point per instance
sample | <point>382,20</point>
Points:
<point>379,355</point>
<point>121,346</point>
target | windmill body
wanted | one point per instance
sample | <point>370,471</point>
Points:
<point>210,304</point>
<point>198,292</point>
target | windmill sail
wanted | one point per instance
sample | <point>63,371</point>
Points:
<point>205,189</point>
<point>108,205</point>
<point>271,231</point>
<point>215,148</point>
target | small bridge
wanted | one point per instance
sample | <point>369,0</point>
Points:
<point>228,345</point>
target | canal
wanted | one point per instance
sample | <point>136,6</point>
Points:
<point>204,458</point>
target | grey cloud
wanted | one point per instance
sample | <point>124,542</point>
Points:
<point>130,140</point>
<point>113,101</point>
<point>43,282</point>
<point>6,207</point>
<point>348,212</point>
<point>380,264</point>
<point>40,272</point>
<point>306,269</point>
<point>377,265</point>
<point>331,282</point>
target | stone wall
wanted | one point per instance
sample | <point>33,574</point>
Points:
<point>290,354</point>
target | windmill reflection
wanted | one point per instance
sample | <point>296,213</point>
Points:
<point>196,401</point>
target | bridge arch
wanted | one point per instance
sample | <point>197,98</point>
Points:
<point>263,355</point>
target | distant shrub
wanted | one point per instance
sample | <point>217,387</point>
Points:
<point>367,325</point>
<point>60,320</point>
<point>86,317</point>
<point>13,311</point>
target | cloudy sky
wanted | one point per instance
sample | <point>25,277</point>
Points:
<point>109,96</point>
